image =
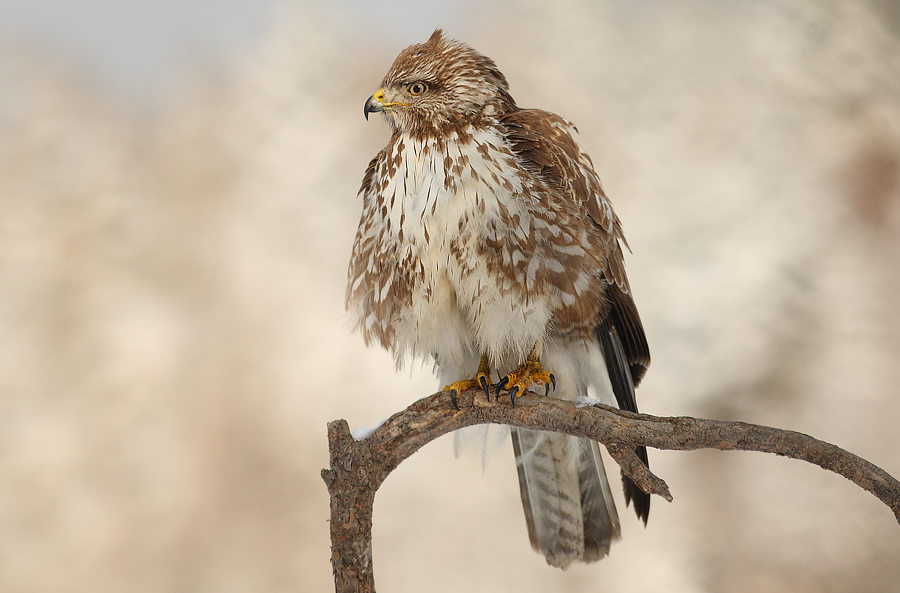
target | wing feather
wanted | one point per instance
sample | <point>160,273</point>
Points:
<point>545,145</point>
<point>623,388</point>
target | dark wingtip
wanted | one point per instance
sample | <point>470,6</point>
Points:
<point>634,494</point>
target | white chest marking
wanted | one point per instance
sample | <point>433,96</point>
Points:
<point>442,204</point>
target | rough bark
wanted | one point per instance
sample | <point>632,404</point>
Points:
<point>359,467</point>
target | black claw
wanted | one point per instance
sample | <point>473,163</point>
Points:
<point>552,380</point>
<point>484,385</point>
<point>546,390</point>
<point>453,398</point>
<point>512,395</point>
<point>500,386</point>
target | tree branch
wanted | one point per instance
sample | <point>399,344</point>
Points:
<point>359,467</point>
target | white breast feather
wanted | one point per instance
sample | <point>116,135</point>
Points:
<point>456,314</point>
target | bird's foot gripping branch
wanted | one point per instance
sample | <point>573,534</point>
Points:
<point>358,467</point>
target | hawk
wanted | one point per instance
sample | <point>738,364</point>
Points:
<point>487,244</point>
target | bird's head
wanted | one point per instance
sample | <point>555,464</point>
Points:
<point>440,85</point>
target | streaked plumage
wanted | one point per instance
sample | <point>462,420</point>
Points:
<point>485,230</point>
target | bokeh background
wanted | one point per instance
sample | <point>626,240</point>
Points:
<point>177,204</point>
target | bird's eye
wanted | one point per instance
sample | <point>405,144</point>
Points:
<point>417,88</point>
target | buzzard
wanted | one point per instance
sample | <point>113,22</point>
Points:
<point>487,244</point>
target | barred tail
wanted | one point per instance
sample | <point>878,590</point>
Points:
<point>568,504</point>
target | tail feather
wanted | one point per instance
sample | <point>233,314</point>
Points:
<point>568,504</point>
<point>601,522</point>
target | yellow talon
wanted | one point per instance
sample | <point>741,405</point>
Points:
<point>460,386</point>
<point>531,371</point>
<point>481,378</point>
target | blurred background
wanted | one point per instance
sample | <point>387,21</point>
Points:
<point>177,205</point>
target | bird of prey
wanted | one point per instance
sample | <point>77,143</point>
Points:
<point>487,244</point>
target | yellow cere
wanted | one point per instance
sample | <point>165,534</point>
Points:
<point>379,96</point>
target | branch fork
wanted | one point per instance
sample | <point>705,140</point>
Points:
<point>358,467</point>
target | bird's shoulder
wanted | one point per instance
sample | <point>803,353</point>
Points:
<point>546,145</point>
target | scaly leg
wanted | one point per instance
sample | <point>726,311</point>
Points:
<point>482,378</point>
<point>530,372</point>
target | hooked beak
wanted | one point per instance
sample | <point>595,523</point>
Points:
<point>373,105</point>
<point>376,103</point>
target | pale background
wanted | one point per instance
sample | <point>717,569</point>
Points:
<point>177,204</point>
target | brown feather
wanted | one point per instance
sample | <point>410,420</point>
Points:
<point>485,230</point>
